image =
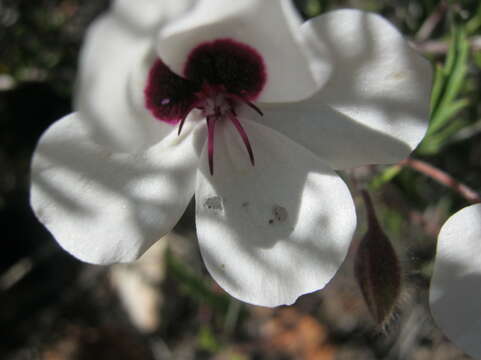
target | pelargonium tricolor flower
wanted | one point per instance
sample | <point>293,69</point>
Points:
<point>456,283</point>
<point>247,108</point>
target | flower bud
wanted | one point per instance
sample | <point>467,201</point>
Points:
<point>377,268</point>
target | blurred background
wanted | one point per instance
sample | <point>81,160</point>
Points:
<point>166,306</point>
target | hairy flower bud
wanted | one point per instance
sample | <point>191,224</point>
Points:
<point>377,268</point>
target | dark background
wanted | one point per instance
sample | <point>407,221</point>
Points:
<point>54,307</point>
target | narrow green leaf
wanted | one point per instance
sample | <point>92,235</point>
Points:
<point>446,102</point>
<point>456,77</point>
<point>207,340</point>
<point>447,113</point>
<point>451,55</point>
<point>385,176</point>
<point>438,86</point>
<point>475,22</point>
<point>312,8</point>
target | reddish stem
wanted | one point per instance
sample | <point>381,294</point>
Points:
<point>432,21</point>
<point>443,178</point>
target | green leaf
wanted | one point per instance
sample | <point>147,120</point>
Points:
<point>475,22</point>
<point>446,101</point>
<point>207,341</point>
<point>447,113</point>
<point>438,85</point>
<point>385,176</point>
<point>312,8</point>
<point>460,68</point>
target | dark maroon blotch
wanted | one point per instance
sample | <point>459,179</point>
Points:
<point>231,67</point>
<point>168,96</point>
<point>218,77</point>
<point>236,66</point>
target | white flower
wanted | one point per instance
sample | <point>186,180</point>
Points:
<point>455,291</point>
<point>273,218</point>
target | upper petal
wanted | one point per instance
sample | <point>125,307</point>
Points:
<point>106,207</point>
<point>271,27</point>
<point>456,283</point>
<point>275,231</point>
<point>146,15</point>
<point>377,80</point>
<point>114,66</point>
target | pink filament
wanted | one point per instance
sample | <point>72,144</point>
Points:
<point>210,92</point>
<point>247,102</point>
<point>181,123</point>
<point>243,136</point>
<point>184,117</point>
<point>210,142</point>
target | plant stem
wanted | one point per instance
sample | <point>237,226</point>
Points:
<point>441,47</point>
<point>443,178</point>
<point>431,22</point>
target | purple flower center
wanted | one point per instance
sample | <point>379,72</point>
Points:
<point>219,77</point>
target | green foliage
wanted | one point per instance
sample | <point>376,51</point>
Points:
<point>447,100</point>
<point>40,41</point>
<point>474,24</point>
<point>384,177</point>
<point>312,8</point>
<point>207,340</point>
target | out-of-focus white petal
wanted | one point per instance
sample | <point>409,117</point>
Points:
<point>108,207</point>
<point>455,291</point>
<point>147,15</point>
<point>377,79</point>
<point>272,232</point>
<point>336,138</point>
<point>114,64</point>
<point>272,27</point>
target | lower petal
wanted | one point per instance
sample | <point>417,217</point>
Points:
<point>274,231</point>
<point>456,283</point>
<point>105,207</point>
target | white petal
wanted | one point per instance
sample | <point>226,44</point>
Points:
<point>272,232</point>
<point>336,138</point>
<point>377,80</point>
<point>272,27</point>
<point>455,291</point>
<point>113,72</point>
<point>145,15</point>
<point>104,207</point>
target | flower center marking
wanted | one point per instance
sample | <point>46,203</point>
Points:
<point>219,77</point>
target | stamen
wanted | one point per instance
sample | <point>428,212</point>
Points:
<point>220,77</point>
<point>243,136</point>
<point>184,117</point>
<point>247,102</point>
<point>210,142</point>
<point>181,124</point>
